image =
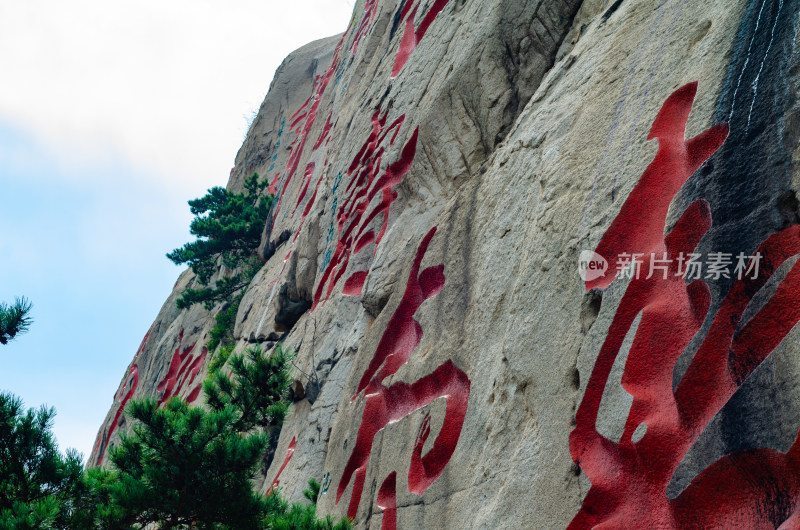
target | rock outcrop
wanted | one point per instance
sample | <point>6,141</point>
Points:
<point>440,170</point>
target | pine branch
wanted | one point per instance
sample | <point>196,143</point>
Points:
<point>14,319</point>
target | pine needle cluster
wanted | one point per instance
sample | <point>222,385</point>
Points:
<point>228,228</point>
<point>190,467</point>
<point>37,482</point>
<point>14,319</point>
<point>187,467</point>
<point>257,389</point>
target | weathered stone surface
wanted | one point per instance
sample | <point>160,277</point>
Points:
<point>518,129</point>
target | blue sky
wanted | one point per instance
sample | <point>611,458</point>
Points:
<point>112,116</point>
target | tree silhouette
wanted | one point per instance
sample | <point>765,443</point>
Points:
<point>14,319</point>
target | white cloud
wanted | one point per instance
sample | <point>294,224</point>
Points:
<point>162,84</point>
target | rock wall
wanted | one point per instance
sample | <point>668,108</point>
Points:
<point>441,169</point>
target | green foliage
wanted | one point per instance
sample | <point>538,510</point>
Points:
<point>37,482</point>
<point>220,358</point>
<point>14,319</point>
<point>187,467</point>
<point>228,227</point>
<point>31,515</point>
<point>222,332</point>
<point>181,467</point>
<point>192,468</point>
<point>296,516</point>
<point>257,390</point>
<point>224,290</point>
<point>312,493</point>
<point>92,506</point>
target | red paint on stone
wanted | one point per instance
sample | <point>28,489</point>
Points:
<point>389,405</point>
<point>408,42</point>
<point>273,186</point>
<point>313,199</point>
<point>639,226</point>
<point>403,334</point>
<point>387,501</point>
<point>367,19</point>
<point>758,488</point>
<point>365,240</point>
<point>308,207</point>
<point>194,394</point>
<point>133,377</point>
<point>131,382</point>
<point>323,137</point>
<point>175,370</point>
<point>412,37</point>
<point>396,171</point>
<point>366,182</point>
<point>299,115</point>
<point>354,284</point>
<point>196,365</point>
<point>182,371</point>
<point>320,85</point>
<point>289,453</point>
<point>307,179</point>
<point>294,125</point>
<point>386,405</point>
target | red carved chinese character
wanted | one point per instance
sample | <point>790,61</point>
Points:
<point>753,489</point>
<point>386,405</point>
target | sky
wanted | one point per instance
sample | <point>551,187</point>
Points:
<point>112,116</point>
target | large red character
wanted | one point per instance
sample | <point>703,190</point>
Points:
<point>354,221</point>
<point>385,405</point>
<point>752,489</point>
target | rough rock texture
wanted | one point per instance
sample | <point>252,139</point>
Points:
<point>446,162</point>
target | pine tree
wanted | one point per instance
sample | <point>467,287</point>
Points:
<point>37,482</point>
<point>257,389</point>
<point>92,505</point>
<point>296,516</point>
<point>14,319</point>
<point>187,467</point>
<point>228,228</point>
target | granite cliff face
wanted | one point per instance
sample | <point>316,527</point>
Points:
<point>440,168</point>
